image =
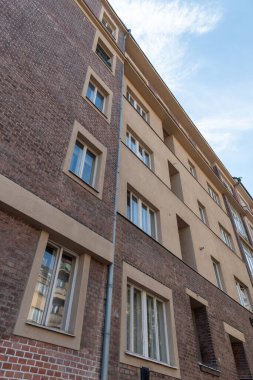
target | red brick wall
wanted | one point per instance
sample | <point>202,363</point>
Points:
<point>140,251</point>
<point>22,358</point>
<point>46,52</point>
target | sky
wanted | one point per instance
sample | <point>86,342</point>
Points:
<point>203,50</point>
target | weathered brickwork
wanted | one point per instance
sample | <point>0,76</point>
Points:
<point>22,358</point>
<point>138,250</point>
<point>41,88</point>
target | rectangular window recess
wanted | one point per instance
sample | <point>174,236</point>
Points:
<point>104,54</point>
<point>138,149</point>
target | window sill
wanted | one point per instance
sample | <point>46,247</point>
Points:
<point>84,184</point>
<point>49,329</point>
<point>211,370</point>
<point>97,109</point>
<point>150,360</point>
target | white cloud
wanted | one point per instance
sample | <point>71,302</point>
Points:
<point>158,26</point>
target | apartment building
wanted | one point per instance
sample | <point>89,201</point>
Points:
<point>126,245</point>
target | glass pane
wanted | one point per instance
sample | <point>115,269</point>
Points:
<point>146,158</point>
<point>137,323</point>
<point>75,165</point>
<point>144,215</point>
<point>152,224</point>
<point>89,167</point>
<point>151,328</point>
<point>133,144</point>
<point>134,209</point>
<point>161,332</point>
<point>61,291</point>
<point>127,139</point>
<point>99,102</point>
<point>128,205</point>
<point>40,296</point>
<point>128,317</point>
<point>90,92</point>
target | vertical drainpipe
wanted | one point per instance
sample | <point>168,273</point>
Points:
<point>109,289</point>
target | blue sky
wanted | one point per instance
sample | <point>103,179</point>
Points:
<point>203,49</point>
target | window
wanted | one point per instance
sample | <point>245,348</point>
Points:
<point>83,163</point>
<point>137,105</point>
<point>238,223</point>
<point>203,333</point>
<point>213,195</point>
<point>97,93</point>
<point>202,213</point>
<point>147,333</point>
<point>141,215</point>
<point>251,231</point>
<point>217,272</point>
<point>146,325</point>
<point>138,149</point>
<point>226,184</point>
<point>192,170</point>
<point>85,160</point>
<point>226,237</point>
<point>108,24</point>
<point>249,257</point>
<point>243,295</point>
<point>51,303</point>
<point>96,96</point>
<point>104,54</point>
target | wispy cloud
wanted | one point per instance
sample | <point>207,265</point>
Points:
<point>158,26</point>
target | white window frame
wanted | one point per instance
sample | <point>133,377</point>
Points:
<point>93,100</point>
<point>213,195</point>
<point>106,51</point>
<point>226,237</point>
<point>109,26</point>
<point>85,148</point>
<point>192,169</point>
<point>203,214</point>
<point>243,295</point>
<point>238,223</point>
<point>141,111</point>
<point>144,295</point>
<point>140,203</point>
<point>139,147</point>
<point>51,291</point>
<point>249,257</point>
<point>217,272</point>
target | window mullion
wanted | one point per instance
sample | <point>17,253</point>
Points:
<point>55,275</point>
<point>144,324</point>
<point>156,331</point>
<point>139,213</point>
<point>131,207</point>
<point>95,94</point>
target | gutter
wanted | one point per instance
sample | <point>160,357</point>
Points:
<point>109,289</point>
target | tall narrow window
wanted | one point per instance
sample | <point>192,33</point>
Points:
<point>238,223</point>
<point>96,96</point>
<point>138,149</point>
<point>141,215</point>
<point>137,105</point>
<point>243,295</point>
<point>249,257</point>
<point>213,195</point>
<point>202,213</point>
<point>51,303</point>
<point>104,53</point>
<point>217,272</point>
<point>226,237</point>
<point>146,325</point>
<point>83,163</point>
<point>192,169</point>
